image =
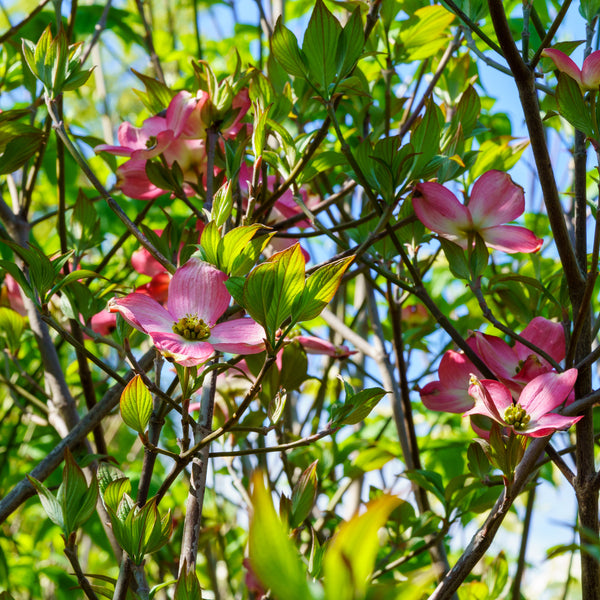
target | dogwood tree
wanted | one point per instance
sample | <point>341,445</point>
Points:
<point>299,299</point>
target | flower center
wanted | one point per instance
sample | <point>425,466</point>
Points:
<point>151,142</point>
<point>191,327</point>
<point>516,416</point>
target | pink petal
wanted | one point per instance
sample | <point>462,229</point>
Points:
<point>316,345</point>
<point>496,354</point>
<point>548,424</point>
<point>187,353</point>
<point>546,334</point>
<point>133,181</point>
<point>590,73</point>
<point>495,199</point>
<point>435,396</point>
<point>439,210</point>
<point>104,322</point>
<point>143,313</point>
<point>143,262</point>
<point>564,64</point>
<point>455,370</point>
<point>198,289</point>
<point>179,110</point>
<point>546,392</point>
<point>511,238</point>
<point>492,398</point>
<point>239,336</point>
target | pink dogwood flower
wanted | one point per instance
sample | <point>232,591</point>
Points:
<point>532,414</point>
<point>186,330</point>
<point>494,200</point>
<point>588,77</point>
<point>517,365</point>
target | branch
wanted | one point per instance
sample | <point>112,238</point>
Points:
<point>24,490</point>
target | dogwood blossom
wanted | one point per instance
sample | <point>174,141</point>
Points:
<point>186,330</point>
<point>494,200</point>
<point>532,414</point>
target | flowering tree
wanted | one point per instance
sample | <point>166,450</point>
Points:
<point>254,283</point>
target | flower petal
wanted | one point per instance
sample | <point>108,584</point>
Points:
<point>564,64</point>
<point>239,336</point>
<point>590,72</point>
<point>179,110</point>
<point>495,199</point>
<point>544,393</point>
<point>496,354</point>
<point>491,397</point>
<point>439,210</point>
<point>548,424</point>
<point>143,313</point>
<point>133,181</point>
<point>511,238</point>
<point>198,289</point>
<point>547,335</point>
<point>187,353</point>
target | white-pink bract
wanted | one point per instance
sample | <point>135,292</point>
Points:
<point>588,77</point>
<point>494,200</point>
<point>532,414</point>
<point>187,330</point>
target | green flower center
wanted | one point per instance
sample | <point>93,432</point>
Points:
<point>151,142</point>
<point>516,416</point>
<point>191,327</point>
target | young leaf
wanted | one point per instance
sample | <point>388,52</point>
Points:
<point>571,105</point>
<point>274,559</point>
<point>320,46</point>
<point>319,289</point>
<point>136,405</point>
<point>285,49</point>
<point>350,556</point>
<point>303,495</point>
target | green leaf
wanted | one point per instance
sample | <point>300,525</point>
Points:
<point>351,43</point>
<point>285,49</point>
<point>274,559</point>
<point>478,260</point>
<point>272,288</point>
<point>320,46</point>
<point>157,96</point>
<point>350,556</point>
<point>50,504</point>
<point>571,105</point>
<point>114,492</point>
<point>478,463</point>
<point>304,495</point>
<point>136,405</point>
<point>276,406</point>
<point>456,258</point>
<point>319,289</point>
<point>188,586</point>
<point>428,480</point>
<point>358,406</point>
<point>222,204</point>
<point>12,325</point>
<point>78,501</point>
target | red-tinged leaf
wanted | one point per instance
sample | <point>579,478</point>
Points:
<point>136,405</point>
<point>273,557</point>
<point>350,557</point>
